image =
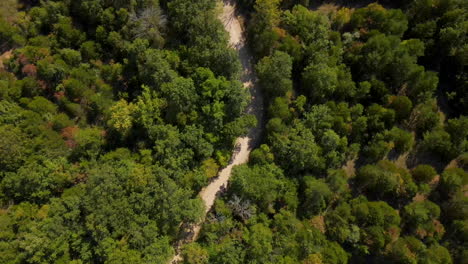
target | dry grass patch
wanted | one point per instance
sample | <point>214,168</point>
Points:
<point>5,56</point>
<point>318,222</point>
<point>328,8</point>
<point>350,168</point>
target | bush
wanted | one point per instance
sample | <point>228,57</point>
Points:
<point>403,140</point>
<point>438,142</point>
<point>452,180</point>
<point>402,106</point>
<point>61,121</point>
<point>423,173</point>
<point>377,149</point>
<point>274,73</point>
<point>386,180</point>
<point>424,117</point>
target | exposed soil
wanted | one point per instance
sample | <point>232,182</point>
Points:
<point>5,56</point>
<point>244,145</point>
<point>350,168</point>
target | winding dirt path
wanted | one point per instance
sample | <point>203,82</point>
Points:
<point>244,145</point>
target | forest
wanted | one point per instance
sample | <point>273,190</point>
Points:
<point>114,114</point>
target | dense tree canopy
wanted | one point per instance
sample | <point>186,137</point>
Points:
<point>364,157</point>
<point>115,114</point>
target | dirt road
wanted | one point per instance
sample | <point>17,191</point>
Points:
<point>244,144</point>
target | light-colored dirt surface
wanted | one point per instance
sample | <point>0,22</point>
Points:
<point>5,56</point>
<point>401,160</point>
<point>350,168</point>
<point>452,164</point>
<point>244,144</point>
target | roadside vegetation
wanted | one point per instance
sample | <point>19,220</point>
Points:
<point>364,159</point>
<point>115,114</point>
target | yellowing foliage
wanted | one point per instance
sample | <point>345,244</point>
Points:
<point>121,116</point>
